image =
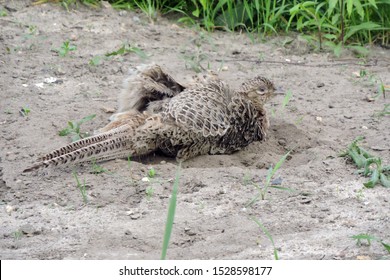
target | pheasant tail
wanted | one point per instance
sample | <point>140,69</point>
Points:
<point>121,142</point>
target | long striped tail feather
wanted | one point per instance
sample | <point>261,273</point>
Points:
<point>122,146</point>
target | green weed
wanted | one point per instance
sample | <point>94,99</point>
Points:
<point>149,192</point>
<point>17,234</point>
<point>81,187</point>
<point>65,48</point>
<point>384,112</point>
<point>3,13</point>
<point>265,231</point>
<point>171,215</point>
<point>336,24</point>
<point>194,59</point>
<point>98,169</point>
<point>25,111</point>
<point>368,238</point>
<point>127,48</point>
<point>151,172</point>
<point>268,181</point>
<point>96,60</point>
<point>368,165</point>
<point>74,129</point>
<point>149,8</point>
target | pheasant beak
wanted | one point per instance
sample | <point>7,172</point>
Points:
<point>279,91</point>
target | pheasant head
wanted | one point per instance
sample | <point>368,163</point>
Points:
<point>259,90</point>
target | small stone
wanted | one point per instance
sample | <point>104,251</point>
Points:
<point>319,119</point>
<point>282,142</point>
<point>73,37</point>
<point>9,209</point>
<point>122,13</point>
<point>145,179</point>
<point>320,84</point>
<point>364,127</point>
<point>163,162</point>
<point>363,258</point>
<point>27,229</point>
<point>108,110</point>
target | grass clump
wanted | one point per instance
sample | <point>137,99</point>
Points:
<point>334,23</point>
<point>368,165</point>
<point>74,129</point>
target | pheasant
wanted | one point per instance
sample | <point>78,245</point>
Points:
<point>159,114</point>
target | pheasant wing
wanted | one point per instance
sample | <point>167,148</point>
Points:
<point>201,110</point>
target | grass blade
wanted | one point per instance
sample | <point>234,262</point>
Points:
<point>268,235</point>
<point>171,216</point>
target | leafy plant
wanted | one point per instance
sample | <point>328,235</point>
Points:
<point>171,215</point>
<point>74,129</point>
<point>65,48</point>
<point>125,49</point>
<point>268,181</point>
<point>368,164</point>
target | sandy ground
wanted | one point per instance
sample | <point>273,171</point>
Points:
<point>43,215</point>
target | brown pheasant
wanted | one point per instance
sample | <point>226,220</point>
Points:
<point>159,114</point>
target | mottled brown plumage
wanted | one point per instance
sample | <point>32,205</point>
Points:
<point>156,113</point>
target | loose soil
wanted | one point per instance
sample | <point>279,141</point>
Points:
<point>43,214</point>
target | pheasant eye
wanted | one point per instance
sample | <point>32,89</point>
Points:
<point>260,91</point>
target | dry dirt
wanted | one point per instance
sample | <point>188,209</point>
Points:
<point>43,215</point>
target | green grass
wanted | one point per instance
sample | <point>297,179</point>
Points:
<point>74,129</point>
<point>368,238</point>
<point>263,188</point>
<point>17,234</point>
<point>171,215</point>
<point>125,49</point>
<point>149,192</point>
<point>81,187</point>
<point>333,24</point>
<point>265,231</point>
